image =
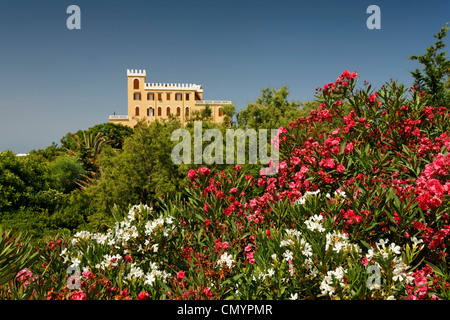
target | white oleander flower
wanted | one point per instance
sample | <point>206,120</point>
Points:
<point>314,223</point>
<point>395,248</point>
<point>306,248</point>
<point>415,241</point>
<point>294,296</point>
<point>75,262</point>
<point>226,259</point>
<point>135,272</point>
<point>288,255</point>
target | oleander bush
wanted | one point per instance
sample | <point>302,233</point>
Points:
<point>358,209</point>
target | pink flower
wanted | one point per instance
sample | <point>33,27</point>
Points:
<point>219,194</point>
<point>78,295</point>
<point>192,174</point>
<point>340,168</point>
<point>50,245</point>
<point>227,211</point>
<point>365,261</point>
<point>208,292</point>
<point>349,148</point>
<point>233,190</point>
<point>295,160</point>
<point>204,171</point>
<point>327,163</point>
<point>181,274</point>
<point>411,297</point>
<point>143,295</point>
<point>129,259</point>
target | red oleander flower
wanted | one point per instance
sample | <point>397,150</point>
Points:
<point>143,295</point>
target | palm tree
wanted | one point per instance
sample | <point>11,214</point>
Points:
<point>88,148</point>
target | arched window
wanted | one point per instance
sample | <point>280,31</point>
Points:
<point>136,84</point>
<point>159,111</point>
<point>136,111</point>
<point>186,112</point>
<point>220,112</point>
<point>150,112</point>
<point>167,111</point>
<point>178,111</point>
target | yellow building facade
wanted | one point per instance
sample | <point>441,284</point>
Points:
<point>152,101</point>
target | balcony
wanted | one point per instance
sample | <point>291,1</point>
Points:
<point>213,102</point>
<point>114,117</point>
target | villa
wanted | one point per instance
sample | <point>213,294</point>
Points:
<point>152,101</point>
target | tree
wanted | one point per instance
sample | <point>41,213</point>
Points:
<point>88,147</point>
<point>115,133</point>
<point>49,153</point>
<point>23,180</point>
<point>434,78</point>
<point>142,172</point>
<point>67,173</point>
<point>228,113</point>
<point>270,111</point>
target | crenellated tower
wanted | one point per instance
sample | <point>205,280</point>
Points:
<point>159,101</point>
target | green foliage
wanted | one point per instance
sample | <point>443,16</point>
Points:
<point>434,78</point>
<point>16,253</point>
<point>88,147</point>
<point>270,111</point>
<point>115,133</point>
<point>67,173</point>
<point>228,114</point>
<point>49,153</point>
<point>141,172</point>
<point>23,181</point>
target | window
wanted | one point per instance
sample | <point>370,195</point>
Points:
<point>220,111</point>
<point>136,84</point>
<point>178,96</point>
<point>150,96</point>
<point>178,111</point>
<point>186,112</point>
<point>136,111</point>
<point>168,96</point>
<point>159,96</point>
<point>159,111</point>
<point>187,96</point>
<point>137,96</point>
<point>150,112</point>
<point>167,111</point>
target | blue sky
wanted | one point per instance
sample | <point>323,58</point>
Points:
<point>54,80</point>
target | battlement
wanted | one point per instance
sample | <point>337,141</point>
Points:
<point>173,86</point>
<point>161,101</point>
<point>136,73</point>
